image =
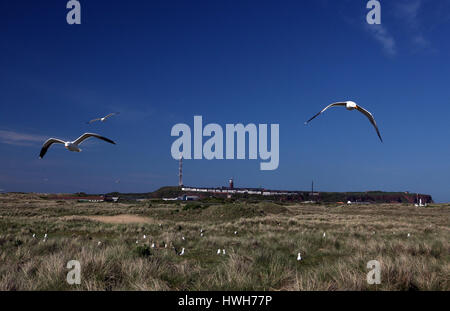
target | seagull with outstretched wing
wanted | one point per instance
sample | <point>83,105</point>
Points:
<point>103,119</point>
<point>71,145</point>
<point>349,105</point>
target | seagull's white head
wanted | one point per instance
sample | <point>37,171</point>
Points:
<point>350,105</point>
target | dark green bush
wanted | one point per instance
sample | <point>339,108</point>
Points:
<point>143,251</point>
<point>192,206</point>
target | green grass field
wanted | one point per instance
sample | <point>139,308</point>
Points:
<point>261,256</point>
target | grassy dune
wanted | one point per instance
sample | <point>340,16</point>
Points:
<point>261,256</point>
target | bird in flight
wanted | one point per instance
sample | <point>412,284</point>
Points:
<point>71,145</point>
<point>349,105</point>
<point>102,119</point>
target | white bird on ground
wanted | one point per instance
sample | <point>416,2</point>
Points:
<point>201,231</point>
<point>182,252</point>
<point>201,234</point>
<point>218,251</point>
<point>71,145</point>
<point>324,234</point>
<point>34,235</point>
<point>99,243</point>
<point>349,105</point>
<point>144,236</point>
<point>137,241</point>
<point>223,251</point>
<point>103,119</point>
<point>183,238</point>
<point>299,256</point>
<point>235,232</point>
<point>153,245</point>
<point>409,235</point>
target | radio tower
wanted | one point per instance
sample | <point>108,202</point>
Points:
<point>180,172</point>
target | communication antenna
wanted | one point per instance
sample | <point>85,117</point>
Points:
<point>180,172</point>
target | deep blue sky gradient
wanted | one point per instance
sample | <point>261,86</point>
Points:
<point>161,62</point>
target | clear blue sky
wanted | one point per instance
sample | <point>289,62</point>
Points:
<point>161,62</point>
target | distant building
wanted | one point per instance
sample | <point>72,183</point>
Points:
<point>111,199</point>
<point>79,198</point>
<point>90,200</point>
<point>188,198</point>
<point>183,197</point>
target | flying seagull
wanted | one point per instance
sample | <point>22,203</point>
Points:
<point>349,105</point>
<point>102,119</point>
<point>71,145</point>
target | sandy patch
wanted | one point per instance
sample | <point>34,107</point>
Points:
<point>117,219</point>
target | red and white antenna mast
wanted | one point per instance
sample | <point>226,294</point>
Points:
<point>180,172</point>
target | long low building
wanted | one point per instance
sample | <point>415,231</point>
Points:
<point>226,190</point>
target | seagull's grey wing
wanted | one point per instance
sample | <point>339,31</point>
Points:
<point>331,105</point>
<point>111,114</point>
<point>371,119</point>
<point>93,120</point>
<point>47,145</point>
<point>88,135</point>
